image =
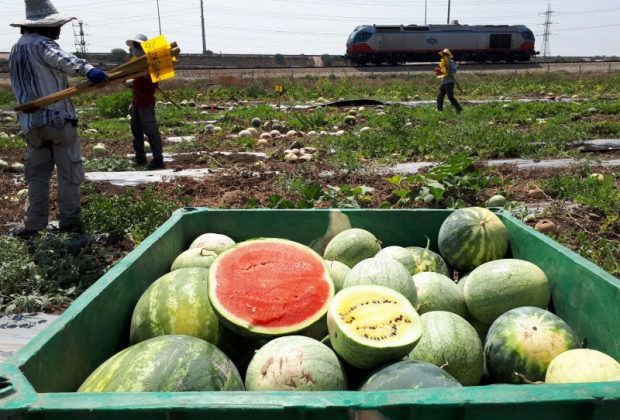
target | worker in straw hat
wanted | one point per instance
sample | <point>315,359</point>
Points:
<point>446,72</point>
<point>38,67</point>
<point>143,120</point>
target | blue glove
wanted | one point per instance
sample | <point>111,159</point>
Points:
<point>96,76</point>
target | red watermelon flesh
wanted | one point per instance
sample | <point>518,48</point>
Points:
<point>270,287</point>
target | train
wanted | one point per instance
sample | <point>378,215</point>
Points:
<point>385,44</point>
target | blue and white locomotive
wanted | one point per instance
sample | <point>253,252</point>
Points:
<point>382,44</point>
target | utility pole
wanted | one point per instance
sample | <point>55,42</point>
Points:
<point>158,17</point>
<point>547,33</point>
<point>425,10</point>
<point>202,20</point>
<point>78,37</point>
<point>448,12</point>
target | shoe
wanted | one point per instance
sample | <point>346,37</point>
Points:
<point>74,227</point>
<point>24,233</point>
<point>140,160</point>
<point>156,164</point>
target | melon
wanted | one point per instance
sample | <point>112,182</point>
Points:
<point>194,257</point>
<point>350,120</point>
<point>383,272</point>
<point>295,363</point>
<point>427,260</point>
<point>450,342</point>
<point>176,304</point>
<point>270,287</point>
<point>409,374</point>
<point>496,201</point>
<point>169,363</point>
<point>215,242</point>
<point>582,365</point>
<point>4,165</point>
<point>437,292</point>
<point>99,148</point>
<point>371,325</point>
<point>352,246</point>
<point>338,272</point>
<point>401,255</point>
<point>256,122</point>
<point>522,342</point>
<point>472,236</point>
<point>498,286</point>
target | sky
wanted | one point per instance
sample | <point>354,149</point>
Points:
<point>315,27</point>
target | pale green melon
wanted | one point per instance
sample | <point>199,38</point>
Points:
<point>352,246</point>
<point>215,242</point>
<point>401,255</point>
<point>194,257</point>
<point>338,272</point>
<point>582,365</point>
<point>437,292</point>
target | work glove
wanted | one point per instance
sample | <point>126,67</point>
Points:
<point>96,76</point>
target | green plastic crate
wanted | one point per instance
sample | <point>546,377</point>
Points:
<point>41,378</point>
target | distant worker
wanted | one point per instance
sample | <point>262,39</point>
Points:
<point>38,67</point>
<point>446,71</point>
<point>143,120</point>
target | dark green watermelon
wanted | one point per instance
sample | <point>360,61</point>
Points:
<point>409,374</point>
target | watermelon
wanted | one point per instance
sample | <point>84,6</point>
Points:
<point>177,304</point>
<point>295,363</point>
<point>522,342</point>
<point>437,292</point>
<point>409,374</point>
<point>169,363</point>
<point>427,260</point>
<point>352,246</point>
<point>215,242</point>
<point>383,272</point>
<point>401,255</point>
<point>582,365</point>
<point>372,325</point>
<point>496,201</point>
<point>472,236</point>
<point>498,286</point>
<point>256,122</point>
<point>194,257</point>
<point>269,287</point>
<point>338,272</point>
<point>450,342</point>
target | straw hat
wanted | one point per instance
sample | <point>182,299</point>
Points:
<point>42,14</point>
<point>445,51</point>
<point>136,39</point>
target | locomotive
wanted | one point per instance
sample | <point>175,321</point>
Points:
<point>383,44</point>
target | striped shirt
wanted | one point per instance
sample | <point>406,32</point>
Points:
<point>38,68</point>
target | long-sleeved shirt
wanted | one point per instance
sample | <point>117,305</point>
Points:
<point>38,68</point>
<point>449,77</point>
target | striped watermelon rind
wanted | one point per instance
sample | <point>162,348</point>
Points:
<point>409,374</point>
<point>427,260</point>
<point>287,268</point>
<point>522,342</point>
<point>472,236</point>
<point>437,292</point>
<point>352,246</point>
<point>496,287</point>
<point>168,363</point>
<point>176,304</point>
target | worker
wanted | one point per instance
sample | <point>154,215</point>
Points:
<point>39,67</point>
<point>143,120</point>
<point>446,72</point>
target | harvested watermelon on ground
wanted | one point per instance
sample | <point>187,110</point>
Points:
<point>295,363</point>
<point>383,272</point>
<point>215,242</point>
<point>498,286</point>
<point>194,257</point>
<point>427,260</point>
<point>450,342</point>
<point>176,304</point>
<point>372,325</point>
<point>352,246</point>
<point>472,236</point>
<point>522,342</point>
<point>270,287</point>
<point>580,366</point>
<point>409,374</point>
<point>437,292</point>
<point>401,255</point>
<point>169,363</point>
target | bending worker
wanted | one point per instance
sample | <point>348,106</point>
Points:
<point>446,72</point>
<point>38,67</point>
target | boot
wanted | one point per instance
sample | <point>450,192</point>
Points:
<point>157,163</point>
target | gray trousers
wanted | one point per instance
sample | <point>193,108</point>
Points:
<point>55,144</point>
<point>143,122</point>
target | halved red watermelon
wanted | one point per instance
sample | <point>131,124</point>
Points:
<point>270,287</point>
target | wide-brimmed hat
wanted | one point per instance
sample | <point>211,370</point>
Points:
<point>445,51</point>
<point>42,14</point>
<point>136,39</point>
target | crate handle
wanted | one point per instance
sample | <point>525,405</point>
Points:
<point>6,387</point>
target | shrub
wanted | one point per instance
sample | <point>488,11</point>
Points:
<point>114,105</point>
<point>119,55</point>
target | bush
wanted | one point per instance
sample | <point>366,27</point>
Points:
<point>114,105</point>
<point>119,55</point>
<point>279,59</point>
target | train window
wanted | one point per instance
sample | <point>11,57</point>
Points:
<point>527,35</point>
<point>362,37</point>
